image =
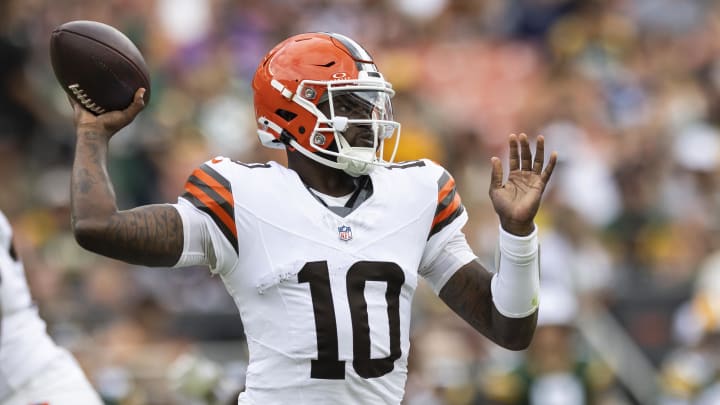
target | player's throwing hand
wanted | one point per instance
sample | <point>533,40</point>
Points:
<point>108,123</point>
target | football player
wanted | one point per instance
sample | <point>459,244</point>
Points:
<point>33,369</point>
<point>322,257</point>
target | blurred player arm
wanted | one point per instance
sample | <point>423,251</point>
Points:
<point>150,235</point>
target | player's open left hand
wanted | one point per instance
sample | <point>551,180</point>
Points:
<point>110,122</point>
<point>517,200</point>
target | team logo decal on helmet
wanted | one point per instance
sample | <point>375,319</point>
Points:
<point>315,91</point>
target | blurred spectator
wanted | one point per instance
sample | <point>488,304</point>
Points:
<point>18,108</point>
<point>558,368</point>
<point>199,380</point>
<point>690,373</point>
<point>444,361</point>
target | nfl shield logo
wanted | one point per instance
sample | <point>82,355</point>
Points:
<point>345,232</point>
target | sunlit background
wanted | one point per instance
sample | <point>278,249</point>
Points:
<point>627,91</point>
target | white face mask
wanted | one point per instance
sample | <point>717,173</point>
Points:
<point>350,104</point>
<point>347,108</point>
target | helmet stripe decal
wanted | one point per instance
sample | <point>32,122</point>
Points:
<point>361,56</point>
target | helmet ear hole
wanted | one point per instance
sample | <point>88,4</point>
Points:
<point>285,114</point>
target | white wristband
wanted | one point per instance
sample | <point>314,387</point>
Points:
<point>516,283</point>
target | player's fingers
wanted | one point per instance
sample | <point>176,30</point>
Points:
<point>78,111</point>
<point>539,155</point>
<point>496,176</point>
<point>138,103</point>
<point>73,103</point>
<point>514,152</point>
<point>545,176</point>
<point>525,154</point>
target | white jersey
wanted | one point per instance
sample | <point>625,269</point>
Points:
<point>324,296</point>
<point>25,347</point>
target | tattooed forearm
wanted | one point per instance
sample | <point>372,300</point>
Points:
<point>468,294</point>
<point>91,191</point>
<point>85,181</point>
<point>95,155</point>
<point>150,235</point>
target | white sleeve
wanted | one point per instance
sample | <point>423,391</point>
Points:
<point>203,242</point>
<point>439,263</point>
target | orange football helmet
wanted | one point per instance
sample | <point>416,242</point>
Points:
<point>311,89</point>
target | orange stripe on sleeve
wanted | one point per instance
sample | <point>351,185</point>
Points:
<point>213,205</point>
<point>216,186</point>
<point>442,215</point>
<point>446,189</point>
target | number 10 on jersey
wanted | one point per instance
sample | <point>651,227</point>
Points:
<point>327,365</point>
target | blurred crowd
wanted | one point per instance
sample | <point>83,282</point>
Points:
<point>627,91</point>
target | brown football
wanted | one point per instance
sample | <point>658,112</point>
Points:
<point>98,65</point>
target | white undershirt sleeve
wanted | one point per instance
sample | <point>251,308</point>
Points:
<point>204,243</point>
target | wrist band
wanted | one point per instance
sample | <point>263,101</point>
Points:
<point>516,282</point>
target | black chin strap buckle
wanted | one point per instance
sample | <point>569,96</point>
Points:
<point>286,137</point>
